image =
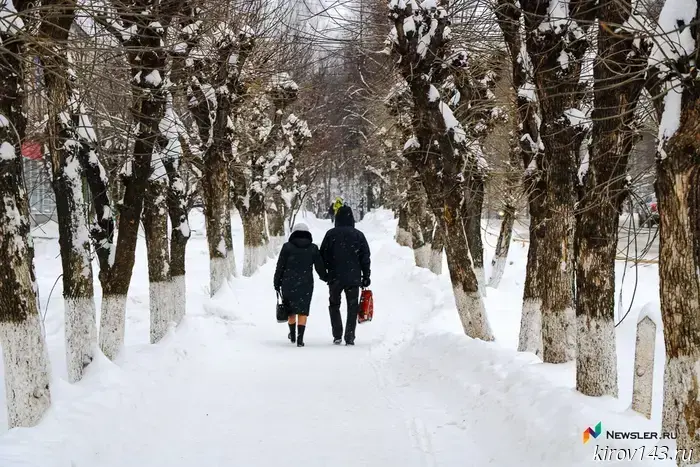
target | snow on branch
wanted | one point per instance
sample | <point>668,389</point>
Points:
<point>671,59</point>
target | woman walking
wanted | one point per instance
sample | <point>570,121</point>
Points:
<point>294,279</point>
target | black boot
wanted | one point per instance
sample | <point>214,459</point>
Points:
<point>300,340</point>
<point>292,336</point>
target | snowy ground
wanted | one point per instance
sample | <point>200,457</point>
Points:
<point>227,388</point>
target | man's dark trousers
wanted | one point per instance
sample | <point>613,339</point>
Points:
<point>352,295</point>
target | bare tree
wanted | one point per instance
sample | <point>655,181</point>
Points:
<point>556,41</point>
<point>21,329</point>
<point>673,80</point>
<point>618,84</point>
<point>69,137</point>
<point>213,91</point>
<point>448,169</point>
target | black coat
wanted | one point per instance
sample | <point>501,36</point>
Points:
<point>294,273</point>
<point>345,251</point>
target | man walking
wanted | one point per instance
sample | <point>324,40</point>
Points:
<point>345,252</point>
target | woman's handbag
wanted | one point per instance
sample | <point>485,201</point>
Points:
<point>281,309</point>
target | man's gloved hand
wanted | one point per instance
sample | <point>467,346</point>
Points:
<point>366,282</point>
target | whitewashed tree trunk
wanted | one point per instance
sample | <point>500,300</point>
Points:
<point>437,248</point>
<point>66,147</point>
<point>500,257</point>
<point>21,331</point>
<point>147,58</point>
<point>155,221</point>
<point>470,305</point>
<point>255,242</point>
<point>230,254</point>
<point>403,229</point>
<point>642,388</point>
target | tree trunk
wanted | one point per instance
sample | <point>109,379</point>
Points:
<point>21,329</point>
<point>530,339</point>
<point>276,222</point>
<point>527,128</point>
<point>65,147</point>
<point>500,257</point>
<point>179,236</point>
<point>155,223</point>
<point>558,92</point>
<point>214,189</point>
<point>212,120</point>
<point>147,57</point>
<point>619,80</point>
<point>255,239</point>
<point>403,230</point>
<point>678,174</point>
<point>416,202</point>
<point>436,248</point>
<point>228,232</point>
<point>473,226</point>
<point>555,265</point>
<point>464,282</point>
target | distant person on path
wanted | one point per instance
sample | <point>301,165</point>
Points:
<point>346,255</point>
<point>294,278</point>
<point>334,208</point>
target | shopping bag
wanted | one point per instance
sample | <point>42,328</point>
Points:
<point>366,306</point>
<point>281,309</point>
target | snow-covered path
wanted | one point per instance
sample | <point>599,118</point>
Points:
<point>228,389</point>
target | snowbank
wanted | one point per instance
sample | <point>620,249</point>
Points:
<point>414,391</point>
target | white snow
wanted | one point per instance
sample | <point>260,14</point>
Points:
<point>10,22</point>
<point>578,118</point>
<point>411,143</point>
<point>433,94</point>
<point>451,123</point>
<point>153,78</point>
<point>672,41</point>
<point>7,151</point>
<point>414,391</point>
<point>671,116</point>
<point>528,91</point>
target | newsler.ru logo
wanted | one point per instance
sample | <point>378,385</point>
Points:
<point>589,433</point>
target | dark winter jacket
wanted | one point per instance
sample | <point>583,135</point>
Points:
<point>294,273</point>
<point>345,251</point>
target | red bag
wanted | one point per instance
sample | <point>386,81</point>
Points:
<point>366,306</point>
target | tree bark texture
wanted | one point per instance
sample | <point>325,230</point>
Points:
<point>557,88</point>
<point>447,169</point>
<point>508,15</point>
<point>619,81</point>
<point>473,226</point>
<point>155,223</point>
<point>403,228</point>
<point>437,248</point>
<point>21,331</point>
<point>678,173</point>
<point>505,234</point>
<point>418,221</point>
<point>147,58</point>
<point>255,240</point>
<point>179,236</point>
<point>66,149</point>
<point>215,133</point>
